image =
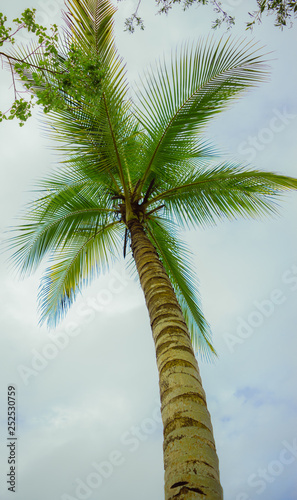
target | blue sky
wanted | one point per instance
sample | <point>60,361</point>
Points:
<point>89,392</point>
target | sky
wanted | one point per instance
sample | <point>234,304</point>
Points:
<point>87,394</point>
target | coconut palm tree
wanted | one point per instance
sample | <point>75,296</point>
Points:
<point>133,173</point>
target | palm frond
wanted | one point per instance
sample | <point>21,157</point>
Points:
<point>224,191</point>
<point>70,190</point>
<point>90,23</point>
<point>74,267</point>
<point>91,121</point>
<point>95,146</point>
<point>176,101</point>
<point>55,221</point>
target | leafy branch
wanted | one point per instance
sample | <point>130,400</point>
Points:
<point>133,20</point>
<point>283,10</point>
<point>21,66</point>
<point>50,78</point>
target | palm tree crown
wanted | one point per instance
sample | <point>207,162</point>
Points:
<point>143,159</point>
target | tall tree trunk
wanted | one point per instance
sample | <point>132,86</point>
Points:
<point>190,460</point>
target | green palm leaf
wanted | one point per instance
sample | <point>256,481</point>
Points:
<point>176,102</point>
<point>56,220</point>
<point>223,191</point>
<point>75,266</point>
<point>90,22</point>
<point>90,120</point>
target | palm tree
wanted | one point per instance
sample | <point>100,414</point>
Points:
<point>134,172</point>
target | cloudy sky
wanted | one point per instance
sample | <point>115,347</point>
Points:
<point>87,394</point>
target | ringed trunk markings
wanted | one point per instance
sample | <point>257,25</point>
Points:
<point>190,459</point>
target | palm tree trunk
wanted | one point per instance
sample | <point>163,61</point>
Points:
<point>190,459</point>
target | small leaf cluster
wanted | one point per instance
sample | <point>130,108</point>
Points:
<point>61,80</point>
<point>83,74</point>
<point>5,33</point>
<point>283,10</point>
<point>224,17</point>
<point>27,21</point>
<point>21,109</point>
<point>133,20</point>
<point>47,41</point>
<point>55,79</point>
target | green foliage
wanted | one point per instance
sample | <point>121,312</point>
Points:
<point>132,21</point>
<point>27,21</point>
<point>130,158</point>
<point>283,10</point>
<point>4,32</point>
<point>21,109</point>
<point>47,44</point>
<point>59,81</point>
<point>177,100</point>
<point>57,74</point>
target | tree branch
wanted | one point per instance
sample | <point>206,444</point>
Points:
<point>41,68</point>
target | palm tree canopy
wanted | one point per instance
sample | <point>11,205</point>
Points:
<point>140,159</point>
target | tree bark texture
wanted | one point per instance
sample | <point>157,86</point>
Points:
<point>190,459</point>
